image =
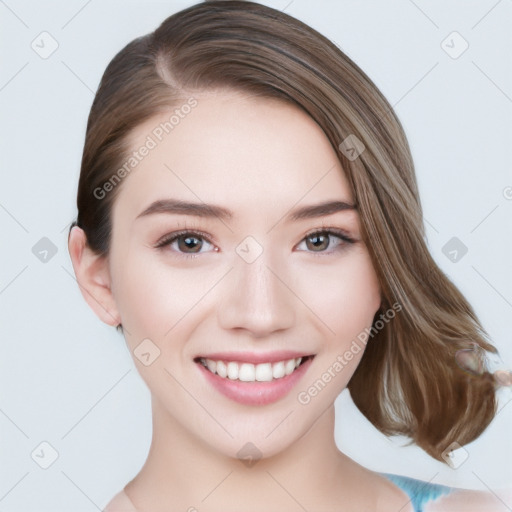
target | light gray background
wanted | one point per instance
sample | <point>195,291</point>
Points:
<point>68,379</point>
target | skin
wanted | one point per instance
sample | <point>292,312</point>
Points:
<point>267,158</point>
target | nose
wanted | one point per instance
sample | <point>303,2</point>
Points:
<point>256,298</point>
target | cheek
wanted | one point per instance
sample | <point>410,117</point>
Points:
<point>154,297</point>
<point>346,301</point>
<point>344,297</point>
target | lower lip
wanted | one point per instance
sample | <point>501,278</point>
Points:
<point>255,393</point>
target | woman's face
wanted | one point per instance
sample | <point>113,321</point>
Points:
<point>252,285</point>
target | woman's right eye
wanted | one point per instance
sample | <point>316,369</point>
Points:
<point>185,240</point>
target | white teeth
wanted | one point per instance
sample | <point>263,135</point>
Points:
<point>232,370</point>
<point>278,370</point>
<point>247,372</point>
<point>222,371</point>
<point>263,372</point>
<point>289,366</point>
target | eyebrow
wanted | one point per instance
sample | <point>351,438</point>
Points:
<point>174,206</point>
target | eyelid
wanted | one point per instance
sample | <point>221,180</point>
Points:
<point>342,233</point>
<point>185,231</point>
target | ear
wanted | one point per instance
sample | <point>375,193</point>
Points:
<point>93,277</point>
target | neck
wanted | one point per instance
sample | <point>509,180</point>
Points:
<point>185,472</point>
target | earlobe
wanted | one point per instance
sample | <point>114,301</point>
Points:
<point>93,277</point>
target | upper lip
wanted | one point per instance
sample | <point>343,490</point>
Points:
<point>255,357</point>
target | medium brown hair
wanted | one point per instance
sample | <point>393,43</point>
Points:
<point>408,381</point>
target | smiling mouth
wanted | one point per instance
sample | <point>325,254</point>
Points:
<point>248,372</point>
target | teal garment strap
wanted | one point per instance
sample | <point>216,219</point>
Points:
<point>419,491</point>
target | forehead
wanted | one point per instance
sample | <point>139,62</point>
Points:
<point>249,153</point>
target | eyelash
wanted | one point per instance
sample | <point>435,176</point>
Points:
<point>170,238</point>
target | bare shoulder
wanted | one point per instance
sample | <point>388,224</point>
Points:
<point>464,500</point>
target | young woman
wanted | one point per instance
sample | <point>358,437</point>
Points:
<point>248,216</point>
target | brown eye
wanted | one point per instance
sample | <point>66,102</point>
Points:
<point>189,242</point>
<point>320,240</point>
<point>185,243</point>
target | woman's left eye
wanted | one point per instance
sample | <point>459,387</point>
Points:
<point>320,239</point>
<point>194,241</point>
